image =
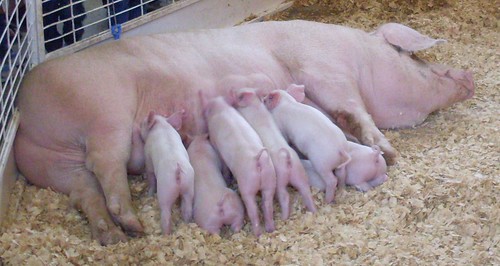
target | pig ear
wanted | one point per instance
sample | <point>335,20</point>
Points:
<point>151,119</point>
<point>297,92</point>
<point>176,119</point>
<point>244,98</point>
<point>405,37</point>
<point>376,152</point>
<point>231,98</point>
<point>272,100</point>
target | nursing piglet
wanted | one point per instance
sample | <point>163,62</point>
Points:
<point>215,204</point>
<point>168,166</point>
<point>311,132</point>
<point>366,169</point>
<point>286,162</point>
<point>243,152</point>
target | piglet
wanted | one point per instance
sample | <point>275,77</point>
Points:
<point>167,166</point>
<point>311,132</point>
<point>286,162</point>
<point>366,169</point>
<point>215,204</point>
<point>243,152</point>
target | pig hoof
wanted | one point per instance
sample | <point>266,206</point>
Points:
<point>390,156</point>
<point>111,237</point>
<point>131,224</point>
<point>257,231</point>
<point>389,153</point>
<point>114,207</point>
<point>270,228</point>
<point>236,227</point>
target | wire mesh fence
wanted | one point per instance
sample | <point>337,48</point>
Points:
<point>15,54</point>
<point>33,30</point>
<point>68,21</point>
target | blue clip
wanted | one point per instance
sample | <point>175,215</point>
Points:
<point>116,30</point>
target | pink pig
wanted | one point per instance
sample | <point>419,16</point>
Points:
<point>311,132</point>
<point>75,130</point>
<point>215,204</point>
<point>285,160</point>
<point>365,170</point>
<point>243,152</point>
<point>167,164</point>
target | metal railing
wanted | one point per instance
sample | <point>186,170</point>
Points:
<point>16,51</point>
<point>32,31</point>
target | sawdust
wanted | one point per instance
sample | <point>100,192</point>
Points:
<point>440,205</point>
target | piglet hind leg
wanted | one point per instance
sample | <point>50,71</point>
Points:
<point>267,207</point>
<point>301,183</point>
<point>87,197</point>
<point>107,156</point>
<point>250,202</point>
<point>364,187</point>
<point>331,186</point>
<point>187,203</point>
<point>283,196</point>
<point>349,112</point>
<point>379,180</point>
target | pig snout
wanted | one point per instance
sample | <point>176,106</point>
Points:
<point>460,80</point>
<point>466,80</point>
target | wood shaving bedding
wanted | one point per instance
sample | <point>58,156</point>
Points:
<point>440,205</point>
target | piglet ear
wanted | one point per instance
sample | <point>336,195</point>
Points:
<point>297,92</point>
<point>151,119</point>
<point>376,153</point>
<point>272,100</point>
<point>176,119</point>
<point>232,97</point>
<point>244,98</point>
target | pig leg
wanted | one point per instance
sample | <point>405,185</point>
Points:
<point>252,212</point>
<point>187,204</point>
<point>378,181</point>
<point>107,156</point>
<point>236,225</point>
<point>301,183</point>
<point>283,195</point>
<point>330,181</point>
<point>267,188</point>
<point>150,176</point>
<point>230,205</point>
<point>363,187</point>
<point>167,195</point>
<point>350,115</point>
<point>166,218</point>
<point>79,183</point>
<point>87,197</point>
<point>267,207</point>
